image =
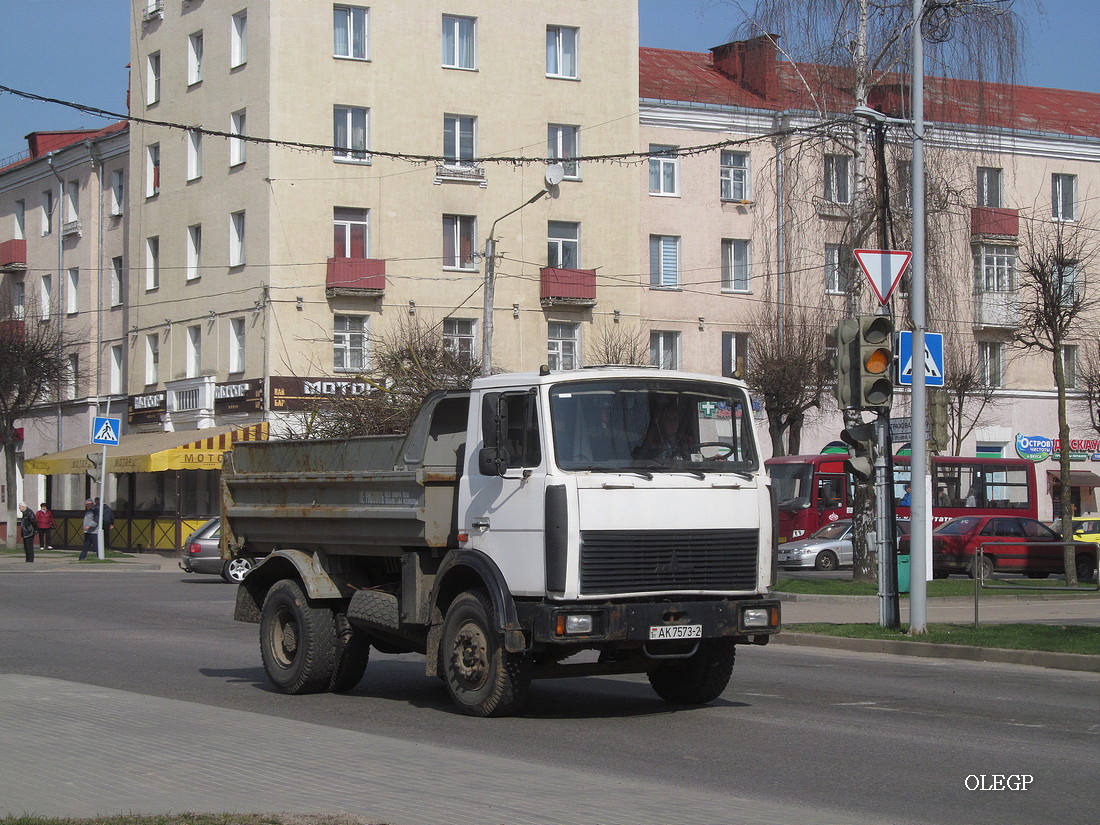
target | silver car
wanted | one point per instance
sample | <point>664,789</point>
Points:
<point>827,549</point>
<point>202,554</point>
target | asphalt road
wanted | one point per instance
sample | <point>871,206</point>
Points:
<point>880,738</point>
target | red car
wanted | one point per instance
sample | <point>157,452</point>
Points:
<point>1009,545</point>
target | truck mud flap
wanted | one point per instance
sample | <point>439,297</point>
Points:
<point>378,615</point>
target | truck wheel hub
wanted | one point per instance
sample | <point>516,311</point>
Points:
<point>469,660</point>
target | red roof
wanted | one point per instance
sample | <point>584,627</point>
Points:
<point>42,143</point>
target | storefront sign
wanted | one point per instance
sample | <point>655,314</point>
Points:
<point>148,408</point>
<point>239,396</point>
<point>1040,448</point>
<point>289,393</point>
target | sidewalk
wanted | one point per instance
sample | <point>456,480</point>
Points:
<point>52,561</point>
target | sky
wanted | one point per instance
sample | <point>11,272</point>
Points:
<point>77,50</point>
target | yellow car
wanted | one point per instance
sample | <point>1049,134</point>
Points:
<point>1087,528</point>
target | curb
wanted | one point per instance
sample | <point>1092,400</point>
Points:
<point>1035,658</point>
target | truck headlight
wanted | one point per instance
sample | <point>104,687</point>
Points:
<point>755,617</point>
<point>573,624</point>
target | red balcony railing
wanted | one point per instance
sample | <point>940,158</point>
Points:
<point>13,254</point>
<point>568,286</point>
<point>356,275</point>
<point>12,332</point>
<point>990,220</point>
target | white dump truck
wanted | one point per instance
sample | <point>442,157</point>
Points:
<point>594,521</point>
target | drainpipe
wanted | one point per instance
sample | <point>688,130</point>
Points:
<point>59,229</point>
<point>780,227</point>
<point>97,166</point>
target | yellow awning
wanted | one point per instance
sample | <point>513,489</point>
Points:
<point>152,452</point>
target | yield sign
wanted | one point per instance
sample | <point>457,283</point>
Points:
<point>883,268</point>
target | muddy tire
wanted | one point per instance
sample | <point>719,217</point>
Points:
<point>351,657</point>
<point>482,677</point>
<point>698,679</point>
<point>297,640</point>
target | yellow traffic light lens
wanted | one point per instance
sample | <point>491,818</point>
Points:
<point>878,361</point>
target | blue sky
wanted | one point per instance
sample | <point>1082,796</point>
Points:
<point>77,50</point>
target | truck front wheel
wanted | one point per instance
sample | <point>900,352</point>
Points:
<point>698,679</point>
<point>297,640</point>
<point>482,677</point>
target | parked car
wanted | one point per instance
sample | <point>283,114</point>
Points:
<point>829,548</point>
<point>1009,545</point>
<point>202,554</point>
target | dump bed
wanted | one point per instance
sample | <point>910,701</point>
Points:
<point>369,495</point>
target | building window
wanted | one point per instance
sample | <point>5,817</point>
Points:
<point>735,176</point>
<point>72,201</point>
<point>236,239</point>
<point>349,343</point>
<point>72,376</point>
<point>238,39</point>
<point>117,276</point>
<point>458,241</point>
<point>838,187</point>
<point>1069,366</point>
<point>47,212</point>
<point>1068,282</point>
<point>152,358</point>
<point>72,292</point>
<point>194,252</point>
<point>47,296</point>
<point>18,300</point>
<point>561,51</point>
<point>990,187</point>
<point>664,261</point>
<point>563,246</point>
<point>20,219</point>
<point>837,269</point>
<point>194,155</point>
<point>664,349</point>
<point>349,133</point>
<point>664,170</point>
<point>563,142</point>
<point>735,354</point>
<point>458,139</point>
<point>115,385</point>
<point>736,263</point>
<point>152,170</point>
<point>561,346</point>
<point>994,268</point>
<point>237,145</point>
<point>459,42</point>
<point>458,338</point>
<point>118,193</point>
<point>194,351</point>
<point>194,59</point>
<point>152,263</point>
<point>991,363</point>
<point>1063,197</point>
<point>152,89</point>
<point>236,344</point>
<point>349,32</point>
<point>349,233</point>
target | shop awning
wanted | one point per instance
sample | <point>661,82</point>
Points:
<point>1077,478</point>
<point>152,452</point>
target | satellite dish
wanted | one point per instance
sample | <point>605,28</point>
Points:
<point>555,173</point>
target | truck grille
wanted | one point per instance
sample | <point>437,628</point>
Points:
<point>625,561</point>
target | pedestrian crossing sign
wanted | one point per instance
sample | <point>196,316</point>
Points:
<point>105,430</point>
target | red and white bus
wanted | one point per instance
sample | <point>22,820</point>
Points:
<point>813,490</point>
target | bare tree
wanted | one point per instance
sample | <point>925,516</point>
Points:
<point>617,343</point>
<point>970,393</point>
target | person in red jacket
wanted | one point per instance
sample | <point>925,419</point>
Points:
<point>43,524</point>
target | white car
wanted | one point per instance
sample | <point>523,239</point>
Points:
<point>828,549</point>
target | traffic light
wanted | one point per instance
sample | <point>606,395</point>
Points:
<point>860,439</point>
<point>94,471</point>
<point>876,361</point>
<point>847,363</point>
<point>937,407</point>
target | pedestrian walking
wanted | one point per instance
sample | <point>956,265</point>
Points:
<point>108,522</point>
<point>27,530</point>
<point>91,530</point>
<point>43,524</point>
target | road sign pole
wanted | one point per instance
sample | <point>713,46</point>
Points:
<point>101,550</point>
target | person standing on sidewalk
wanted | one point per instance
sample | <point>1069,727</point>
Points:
<point>108,522</point>
<point>43,524</point>
<point>27,530</point>
<point>91,530</point>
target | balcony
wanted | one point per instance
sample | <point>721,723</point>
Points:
<point>996,309</point>
<point>13,255</point>
<point>989,221</point>
<point>12,332</point>
<point>461,173</point>
<point>73,227</point>
<point>365,277</point>
<point>567,287</point>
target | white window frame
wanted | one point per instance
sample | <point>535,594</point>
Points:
<point>459,140</point>
<point>152,358</point>
<point>351,134</point>
<point>350,342</point>
<point>46,292</point>
<point>20,219</point>
<point>563,52</point>
<point>349,219</point>
<point>72,374</point>
<point>18,300</point>
<point>838,179</point>
<point>194,252</point>
<point>152,263</point>
<point>735,353</point>
<point>990,187</point>
<point>459,42</point>
<point>72,291</point>
<point>236,345</point>
<point>194,154</point>
<point>664,349</point>
<point>563,244</point>
<point>563,345</point>
<point>460,337</point>
<point>118,275</point>
<point>838,269</point>
<point>193,367</point>
<point>736,265</point>
<point>237,238</point>
<point>664,261</point>
<point>350,32</point>
<point>238,39</point>
<point>991,363</point>
<point>994,268</point>
<point>735,177</point>
<point>1068,274</point>
<point>664,171</point>
<point>1063,197</point>
<point>72,201</point>
<point>152,79</point>
<point>47,211</point>
<point>457,230</point>
<point>563,142</point>
<point>118,192</point>
<point>238,151</point>
<point>194,58</point>
<point>152,170</point>
<point>116,371</point>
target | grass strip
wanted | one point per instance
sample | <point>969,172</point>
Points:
<point>1081,639</point>
<point>938,588</point>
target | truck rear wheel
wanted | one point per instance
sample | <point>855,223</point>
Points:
<point>482,677</point>
<point>698,679</point>
<point>297,640</point>
<point>352,655</point>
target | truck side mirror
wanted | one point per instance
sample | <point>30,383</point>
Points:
<point>492,461</point>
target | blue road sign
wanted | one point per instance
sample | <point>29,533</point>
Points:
<point>933,359</point>
<point>105,430</point>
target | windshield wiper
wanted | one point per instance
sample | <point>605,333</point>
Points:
<point>633,471</point>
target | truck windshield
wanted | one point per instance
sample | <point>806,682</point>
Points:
<point>652,425</point>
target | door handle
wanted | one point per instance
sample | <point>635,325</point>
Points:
<point>481,524</point>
